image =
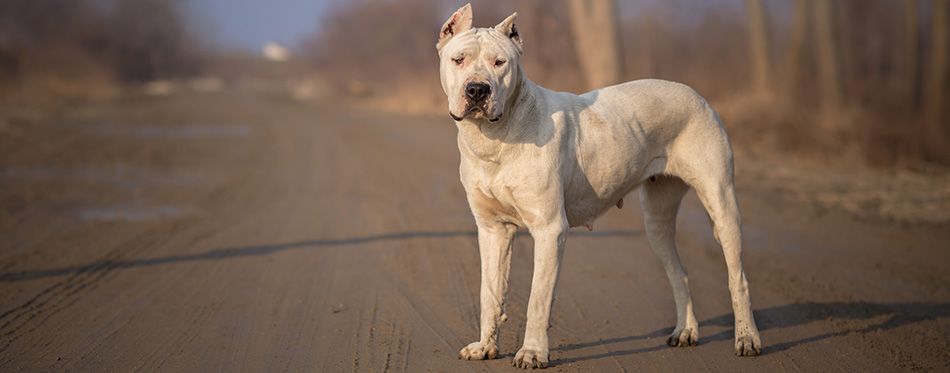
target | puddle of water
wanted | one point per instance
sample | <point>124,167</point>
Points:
<point>119,175</point>
<point>134,214</point>
<point>190,131</point>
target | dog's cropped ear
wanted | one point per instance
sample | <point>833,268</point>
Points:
<point>458,23</point>
<point>509,29</point>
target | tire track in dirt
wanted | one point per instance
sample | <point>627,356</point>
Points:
<point>17,321</point>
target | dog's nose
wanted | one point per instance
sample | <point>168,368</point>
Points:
<point>477,91</point>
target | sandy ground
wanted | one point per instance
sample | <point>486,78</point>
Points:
<point>239,233</point>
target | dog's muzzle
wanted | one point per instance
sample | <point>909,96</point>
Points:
<point>477,98</point>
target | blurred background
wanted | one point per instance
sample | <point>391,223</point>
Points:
<point>851,82</point>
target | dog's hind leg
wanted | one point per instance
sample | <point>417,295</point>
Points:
<point>717,193</point>
<point>661,198</point>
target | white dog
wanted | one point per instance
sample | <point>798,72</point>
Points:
<point>549,161</point>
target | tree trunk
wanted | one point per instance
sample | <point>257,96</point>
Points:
<point>829,62</point>
<point>911,54</point>
<point>939,59</point>
<point>759,46</point>
<point>596,40</point>
<point>796,46</point>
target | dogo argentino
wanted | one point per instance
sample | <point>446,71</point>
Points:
<point>549,161</point>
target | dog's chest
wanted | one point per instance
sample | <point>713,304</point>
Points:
<point>495,204</point>
<point>496,191</point>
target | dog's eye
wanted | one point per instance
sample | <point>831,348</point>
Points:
<point>459,60</point>
<point>499,62</point>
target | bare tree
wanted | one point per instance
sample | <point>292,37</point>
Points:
<point>596,40</point>
<point>829,62</point>
<point>911,54</point>
<point>796,45</point>
<point>151,40</point>
<point>401,31</point>
<point>939,55</point>
<point>541,23</point>
<point>759,46</point>
<point>131,40</point>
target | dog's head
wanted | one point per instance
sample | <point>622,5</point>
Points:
<point>479,66</point>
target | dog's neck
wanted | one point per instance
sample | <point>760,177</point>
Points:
<point>487,141</point>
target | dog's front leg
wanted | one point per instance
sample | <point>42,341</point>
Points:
<point>494,246</point>
<point>548,251</point>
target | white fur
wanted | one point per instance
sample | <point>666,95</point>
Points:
<point>556,160</point>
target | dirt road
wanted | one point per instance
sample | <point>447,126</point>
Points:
<point>234,232</point>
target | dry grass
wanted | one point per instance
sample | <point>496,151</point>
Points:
<point>53,76</point>
<point>877,195</point>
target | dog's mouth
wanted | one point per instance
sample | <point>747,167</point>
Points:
<point>475,112</point>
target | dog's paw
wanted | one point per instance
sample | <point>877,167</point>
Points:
<point>748,346</point>
<point>529,358</point>
<point>683,338</point>
<point>479,351</point>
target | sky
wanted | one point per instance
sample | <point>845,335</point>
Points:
<point>250,24</point>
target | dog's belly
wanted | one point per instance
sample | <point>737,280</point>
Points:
<point>583,203</point>
<point>579,214</point>
<point>590,194</point>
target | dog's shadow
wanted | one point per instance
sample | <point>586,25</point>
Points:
<point>790,315</point>
<point>263,250</point>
